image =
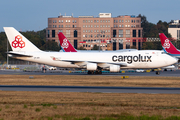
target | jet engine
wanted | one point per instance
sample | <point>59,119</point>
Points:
<point>114,68</point>
<point>91,66</point>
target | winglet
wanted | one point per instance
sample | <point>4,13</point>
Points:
<point>167,45</point>
<point>65,44</point>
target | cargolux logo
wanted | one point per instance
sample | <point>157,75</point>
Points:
<point>18,42</point>
<point>166,44</point>
<point>65,43</point>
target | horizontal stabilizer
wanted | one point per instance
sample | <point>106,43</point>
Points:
<point>18,55</point>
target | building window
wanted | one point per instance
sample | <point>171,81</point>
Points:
<point>60,31</point>
<point>134,33</point>
<point>48,33</point>
<point>53,33</point>
<point>94,21</point>
<point>68,33</point>
<point>128,33</point>
<point>75,44</point>
<point>114,33</point>
<point>75,33</point>
<point>120,21</point>
<point>120,33</point>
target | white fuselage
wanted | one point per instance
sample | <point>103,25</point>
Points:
<point>132,59</point>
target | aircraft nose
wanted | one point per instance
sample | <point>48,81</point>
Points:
<point>173,60</point>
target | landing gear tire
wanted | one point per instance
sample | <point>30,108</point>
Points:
<point>157,72</point>
<point>90,72</point>
<point>98,72</point>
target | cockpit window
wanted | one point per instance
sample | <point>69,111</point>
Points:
<point>163,53</point>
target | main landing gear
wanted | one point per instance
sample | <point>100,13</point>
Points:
<point>157,72</point>
<point>94,72</point>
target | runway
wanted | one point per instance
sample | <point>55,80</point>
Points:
<point>149,90</point>
<point>162,73</point>
<point>94,89</point>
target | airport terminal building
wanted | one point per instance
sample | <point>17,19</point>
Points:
<point>110,33</point>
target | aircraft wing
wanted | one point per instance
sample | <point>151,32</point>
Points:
<point>122,64</point>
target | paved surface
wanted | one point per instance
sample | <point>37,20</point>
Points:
<point>149,90</point>
<point>162,73</point>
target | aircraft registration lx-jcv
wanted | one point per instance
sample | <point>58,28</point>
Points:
<point>92,61</point>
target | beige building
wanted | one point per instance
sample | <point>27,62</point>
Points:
<point>121,31</point>
<point>174,29</point>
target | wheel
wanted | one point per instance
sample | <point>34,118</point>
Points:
<point>89,72</point>
<point>98,72</point>
<point>157,72</point>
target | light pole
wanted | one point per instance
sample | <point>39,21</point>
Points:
<point>7,53</point>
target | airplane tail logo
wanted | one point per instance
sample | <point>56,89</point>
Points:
<point>166,44</point>
<point>65,44</point>
<point>18,42</point>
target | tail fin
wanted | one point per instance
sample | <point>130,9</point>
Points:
<point>65,44</point>
<point>167,45</point>
<point>18,42</point>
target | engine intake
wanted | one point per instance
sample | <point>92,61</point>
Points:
<point>114,68</point>
<point>91,66</point>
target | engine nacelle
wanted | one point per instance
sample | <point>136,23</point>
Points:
<point>114,68</point>
<point>91,66</point>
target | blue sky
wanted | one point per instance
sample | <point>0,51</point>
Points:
<point>33,14</point>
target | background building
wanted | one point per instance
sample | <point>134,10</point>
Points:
<point>174,29</point>
<point>120,32</point>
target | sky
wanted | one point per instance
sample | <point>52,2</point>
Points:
<point>32,15</point>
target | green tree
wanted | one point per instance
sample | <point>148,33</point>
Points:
<point>51,46</point>
<point>95,47</point>
<point>81,48</point>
